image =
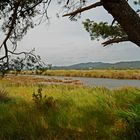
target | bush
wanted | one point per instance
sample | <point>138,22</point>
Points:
<point>42,102</point>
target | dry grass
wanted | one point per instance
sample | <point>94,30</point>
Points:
<point>30,80</point>
<point>116,74</point>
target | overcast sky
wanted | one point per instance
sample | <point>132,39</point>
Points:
<point>65,42</point>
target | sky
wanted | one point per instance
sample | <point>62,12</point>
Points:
<point>65,42</point>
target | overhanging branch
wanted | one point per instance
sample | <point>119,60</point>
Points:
<point>80,10</point>
<point>115,40</point>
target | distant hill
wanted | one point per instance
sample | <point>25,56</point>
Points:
<point>100,65</point>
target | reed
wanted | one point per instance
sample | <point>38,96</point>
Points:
<point>114,74</point>
<point>60,112</point>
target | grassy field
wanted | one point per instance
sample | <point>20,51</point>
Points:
<point>31,111</point>
<point>116,74</point>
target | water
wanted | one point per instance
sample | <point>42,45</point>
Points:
<point>104,82</point>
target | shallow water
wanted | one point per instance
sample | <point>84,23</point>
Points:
<point>104,82</point>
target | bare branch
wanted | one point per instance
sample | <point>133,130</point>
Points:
<point>113,22</point>
<point>80,10</point>
<point>18,53</point>
<point>2,57</point>
<point>115,40</point>
<point>25,53</point>
<point>67,2</point>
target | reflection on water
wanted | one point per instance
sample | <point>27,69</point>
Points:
<point>109,83</point>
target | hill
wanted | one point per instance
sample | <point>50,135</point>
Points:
<point>100,65</point>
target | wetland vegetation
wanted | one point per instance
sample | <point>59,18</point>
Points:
<point>30,110</point>
<point>114,74</point>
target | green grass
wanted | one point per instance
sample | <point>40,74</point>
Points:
<point>68,112</point>
<point>116,74</point>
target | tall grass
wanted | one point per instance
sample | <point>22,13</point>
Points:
<point>68,112</point>
<point>116,74</point>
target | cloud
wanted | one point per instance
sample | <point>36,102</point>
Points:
<point>64,42</point>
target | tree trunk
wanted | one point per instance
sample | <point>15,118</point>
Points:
<point>126,17</point>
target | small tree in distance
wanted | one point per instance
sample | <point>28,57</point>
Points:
<point>17,65</point>
<point>28,61</point>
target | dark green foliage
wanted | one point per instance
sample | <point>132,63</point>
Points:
<point>103,30</point>
<point>114,32</point>
<point>133,121</point>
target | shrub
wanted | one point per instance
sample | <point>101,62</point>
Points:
<point>42,102</point>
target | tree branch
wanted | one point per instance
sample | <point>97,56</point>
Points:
<point>30,8</point>
<point>11,27</point>
<point>80,10</point>
<point>115,40</point>
<point>25,53</point>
